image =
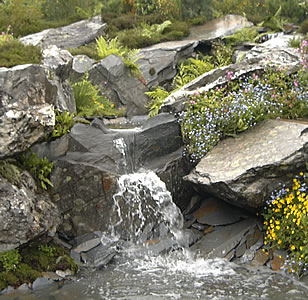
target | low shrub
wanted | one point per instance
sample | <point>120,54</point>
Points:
<point>286,224</point>
<point>89,50</point>
<point>232,108</point>
<point>304,27</point>
<point>133,40</point>
<point>13,52</point>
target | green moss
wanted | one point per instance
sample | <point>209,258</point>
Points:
<point>89,50</point>
<point>10,171</point>
<point>14,53</point>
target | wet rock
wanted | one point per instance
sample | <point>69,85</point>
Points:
<point>248,256</point>
<point>71,36</point>
<point>41,283</point>
<point>214,211</point>
<point>240,250</point>
<point>88,245</point>
<point>75,256</point>
<point>24,214</point>
<point>199,226</point>
<point>64,274</point>
<point>260,259</point>
<point>223,239</point>
<point>118,84</point>
<point>24,288</point>
<point>194,204</point>
<point>81,191</point>
<point>255,163</point>
<point>7,290</point>
<point>101,256</point>
<point>224,26</point>
<point>278,259</point>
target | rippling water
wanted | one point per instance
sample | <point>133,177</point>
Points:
<point>174,276</point>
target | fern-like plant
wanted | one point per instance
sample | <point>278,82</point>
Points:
<point>158,97</point>
<point>191,69</point>
<point>90,102</point>
<point>40,168</point>
<point>107,47</point>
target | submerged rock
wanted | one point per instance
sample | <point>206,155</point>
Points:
<point>255,163</point>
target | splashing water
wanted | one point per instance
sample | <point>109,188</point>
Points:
<point>142,203</point>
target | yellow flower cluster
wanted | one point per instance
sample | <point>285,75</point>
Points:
<point>286,220</point>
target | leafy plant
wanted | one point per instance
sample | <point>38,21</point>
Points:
<point>89,101</point>
<point>64,122</point>
<point>113,46</point>
<point>10,260</point>
<point>158,97</point>
<point>304,26</point>
<point>191,69</point>
<point>40,168</point>
<point>150,30</point>
<point>6,36</point>
<point>286,224</point>
<point>13,52</point>
<point>247,34</point>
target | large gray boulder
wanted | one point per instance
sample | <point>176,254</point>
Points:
<point>116,81</point>
<point>245,170</point>
<point>71,36</point>
<point>24,214</point>
<point>22,125</point>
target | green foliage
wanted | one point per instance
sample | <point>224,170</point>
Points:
<point>10,171</point>
<point>64,122</point>
<point>73,9</point>
<point>286,224</point>
<point>10,260</point>
<point>295,42</point>
<point>146,7</point>
<point>304,27</point>
<point>233,108</point>
<point>13,52</point>
<point>198,8</point>
<point>6,36</point>
<point>247,34</point>
<point>88,50</point>
<point>107,47</point>
<point>23,15</point>
<point>221,54</point>
<point>191,69</point>
<point>151,30</point>
<point>40,168</point>
<point>274,22</point>
<point>158,97</point>
<point>112,6</point>
<point>258,11</point>
<point>89,101</point>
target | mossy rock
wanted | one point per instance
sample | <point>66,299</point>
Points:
<point>14,52</point>
<point>10,171</point>
<point>47,257</point>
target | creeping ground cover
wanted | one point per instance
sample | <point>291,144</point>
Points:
<point>286,224</point>
<point>240,104</point>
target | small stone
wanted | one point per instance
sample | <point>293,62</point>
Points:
<point>260,258</point>
<point>88,245</point>
<point>240,250</point>
<point>41,283</point>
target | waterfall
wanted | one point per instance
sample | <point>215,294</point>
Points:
<point>141,205</point>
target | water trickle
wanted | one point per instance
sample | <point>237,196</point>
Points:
<point>142,203</point>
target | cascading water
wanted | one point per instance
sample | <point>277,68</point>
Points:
<point>141,203</point>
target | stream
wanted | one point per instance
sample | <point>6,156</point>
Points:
<point>176,273</point>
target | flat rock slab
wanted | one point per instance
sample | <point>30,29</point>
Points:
<point>220,27</point>
<point>215,212</point>
<point>223,239</point>
<point>71,36</point>
<point>246,169</point>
